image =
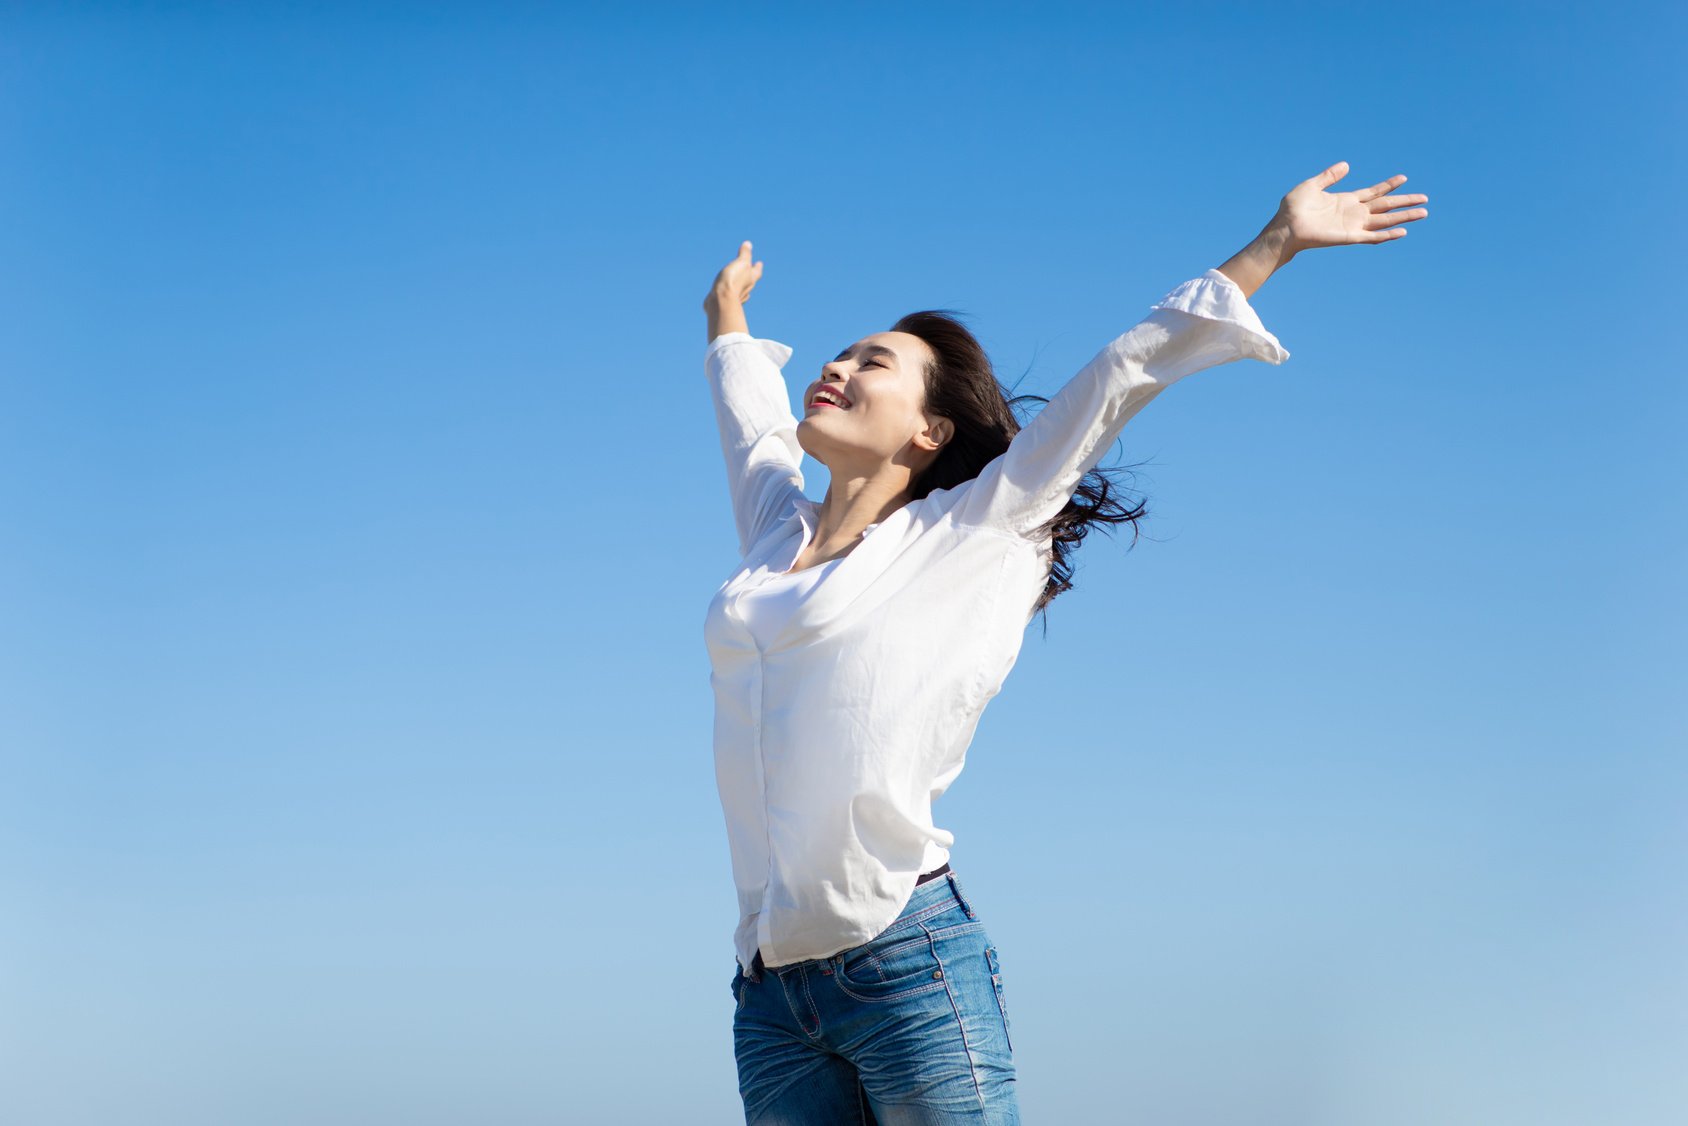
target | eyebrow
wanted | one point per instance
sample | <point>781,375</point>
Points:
<point>869,349</point>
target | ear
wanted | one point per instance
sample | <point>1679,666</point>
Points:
<point>938,432</point>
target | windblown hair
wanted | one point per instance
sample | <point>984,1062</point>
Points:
<point>961,385</point>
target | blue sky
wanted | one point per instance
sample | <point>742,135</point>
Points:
<point>360,503</point>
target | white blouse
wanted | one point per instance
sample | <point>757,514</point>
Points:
<point>846,695</point>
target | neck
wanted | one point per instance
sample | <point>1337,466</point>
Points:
<point>852,503</point>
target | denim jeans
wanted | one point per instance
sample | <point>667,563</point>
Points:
<point>908,1029</point>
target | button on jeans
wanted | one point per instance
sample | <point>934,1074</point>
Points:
<point>908,1029</point>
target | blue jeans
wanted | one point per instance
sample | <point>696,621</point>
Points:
<point>908,1029</point>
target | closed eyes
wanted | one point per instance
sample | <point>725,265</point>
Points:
<point>866,349</point>
<point>873,364</point>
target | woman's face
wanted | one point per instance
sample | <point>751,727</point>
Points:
<point>882,382</point>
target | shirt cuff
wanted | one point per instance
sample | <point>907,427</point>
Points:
<point>773,349</point>
<point>1217,297</point>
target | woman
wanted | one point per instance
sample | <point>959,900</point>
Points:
<point>858,642</point>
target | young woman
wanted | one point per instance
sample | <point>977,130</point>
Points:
<point>859,640</point>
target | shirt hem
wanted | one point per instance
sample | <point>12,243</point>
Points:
<point>774,958</point>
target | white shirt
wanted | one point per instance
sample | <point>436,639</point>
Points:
<point>846,694</point>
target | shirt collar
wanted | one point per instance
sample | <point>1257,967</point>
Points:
<point>809,511</point>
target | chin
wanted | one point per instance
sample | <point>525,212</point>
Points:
<point>802,429</point>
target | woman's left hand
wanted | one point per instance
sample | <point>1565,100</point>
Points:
<point>1310,217</point>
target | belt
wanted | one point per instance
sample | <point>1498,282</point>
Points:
<point>932,875</point>
<point>757,965</point>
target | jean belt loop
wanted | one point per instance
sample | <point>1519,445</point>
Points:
<point>955,886</point>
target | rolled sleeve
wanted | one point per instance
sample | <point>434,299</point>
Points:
<point>1234,332</point>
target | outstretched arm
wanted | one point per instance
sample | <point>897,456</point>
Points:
<point>752,407</point>
<point>1204,322</point>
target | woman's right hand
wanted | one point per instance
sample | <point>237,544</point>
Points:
<point>735,281</point>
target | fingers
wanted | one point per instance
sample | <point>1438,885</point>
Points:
<point>1389,227</point>
<point>744,257</point>
<point>1365,195</point>
<point>1383,213</point>
<point>1388,203</point>
<point>743,268</point>
<point>1331,175</point>
<point>1379,222</point>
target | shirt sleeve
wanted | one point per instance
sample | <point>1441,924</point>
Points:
<point>758,431</point>
<point>1203,322</point>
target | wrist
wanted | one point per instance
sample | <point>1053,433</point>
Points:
<point>724,315</point>
<point>1275,244</point>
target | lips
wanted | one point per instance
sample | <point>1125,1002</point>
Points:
<point>825,398</point>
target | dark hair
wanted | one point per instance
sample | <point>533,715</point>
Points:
<point>961,385</point>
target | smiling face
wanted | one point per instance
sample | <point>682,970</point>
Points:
<point>868,407</point>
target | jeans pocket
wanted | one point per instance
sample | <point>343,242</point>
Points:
<point>901,965</point>
<point>738,988</point>
<point>1001,1002</point>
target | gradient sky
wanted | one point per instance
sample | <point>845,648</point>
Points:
<point>360,503</point>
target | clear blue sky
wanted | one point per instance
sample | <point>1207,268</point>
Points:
<point>360,503</point>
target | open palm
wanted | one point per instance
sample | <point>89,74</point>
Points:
<point>1315,217</point>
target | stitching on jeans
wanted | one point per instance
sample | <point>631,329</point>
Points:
<point>1002,1007</point>
<point>792,1005</point>
<point>960,896</point>
<point>952,900</point>
<point>932,936</point>
<point>813,1011</point>
<point>874,955</point>
<point>972,1062</point>
<point>919,916</point>
<point>933,987</point>
<point>924,989</point>
<point>993,962</point>
<point>873,958</point>
<point>910,920</point>
<point>959,928</point>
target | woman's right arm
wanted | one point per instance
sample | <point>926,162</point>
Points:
<point>1204,322</point>
<point>752,408</point>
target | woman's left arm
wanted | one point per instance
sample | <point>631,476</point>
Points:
<point>1310,217</point>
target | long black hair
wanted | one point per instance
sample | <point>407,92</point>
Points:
<point>961,385</point>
